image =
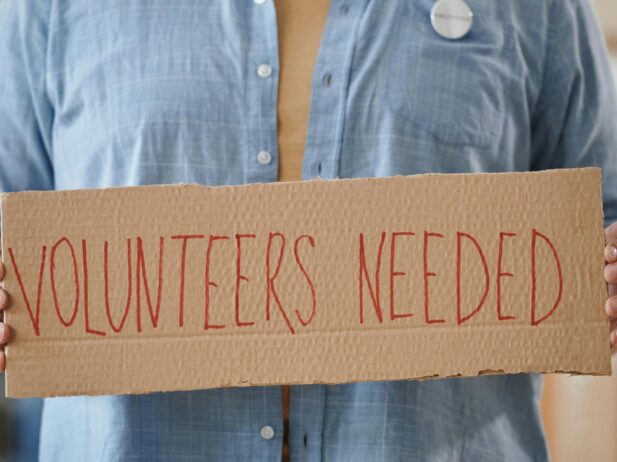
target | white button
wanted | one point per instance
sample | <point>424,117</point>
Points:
<point>264,157</point>
<point>266,432</point>
<point>264,71</point>
<point>260,2</point>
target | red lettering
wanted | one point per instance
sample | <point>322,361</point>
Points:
<point>270,280</point>
<point>106,279</point>
<point>84,256</point>
<point>363,274</point>
<point>208,283</point>
<point>459,235</point>
<point>34,317</point>
<point>394,273</point>
<point>240,277</point>
<point>428,274</point>
<point>75,279</point>
<point>141,274</point>
<point>308,280</point>
<point>501,274</point>
<point>534,234</point>
<point>185,238</point>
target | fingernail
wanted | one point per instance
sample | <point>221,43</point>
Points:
<point>1,330</point>
<point>2,297</point>
<point>612,252</point>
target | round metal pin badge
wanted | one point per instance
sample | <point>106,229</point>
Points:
<point>452,19</point>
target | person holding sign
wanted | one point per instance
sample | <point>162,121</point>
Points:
<point>128,93</point>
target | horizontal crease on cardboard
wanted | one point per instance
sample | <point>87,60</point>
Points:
<point>366,331</point>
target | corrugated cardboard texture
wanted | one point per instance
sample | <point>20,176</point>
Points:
<point>446,300</point>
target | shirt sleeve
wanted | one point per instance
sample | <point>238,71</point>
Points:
<point>574,123</point>
<point>25,112</point>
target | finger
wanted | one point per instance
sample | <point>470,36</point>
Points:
<point>4,299</point>
<point>610,254</point>
<point>610,273</point>
<point>611,233</point>
<point>614,336</point>
<point>611,307</point>
<point>1,271</point>
<point>2,360</point>
<point>5,333</point>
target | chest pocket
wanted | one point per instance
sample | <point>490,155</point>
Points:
<point>452,91</point>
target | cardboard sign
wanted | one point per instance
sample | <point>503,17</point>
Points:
<point>177,287</point>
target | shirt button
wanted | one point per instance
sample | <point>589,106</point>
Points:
<point>266,432</point>
<point>264,71</point>
<point>259,2</point>
<point>264,158</point>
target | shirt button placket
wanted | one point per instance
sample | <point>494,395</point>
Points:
<point>264,71</point>
<point>261,112</point>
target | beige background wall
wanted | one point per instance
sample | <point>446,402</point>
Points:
<point>580,417</point>
<point>607,12</point>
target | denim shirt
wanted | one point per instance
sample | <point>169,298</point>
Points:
<point>123,92</point>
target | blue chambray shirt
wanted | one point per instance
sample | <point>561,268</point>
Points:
<point>119,92</point>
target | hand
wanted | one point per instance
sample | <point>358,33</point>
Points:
<point>5,331</point>
<point>610,274</point>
